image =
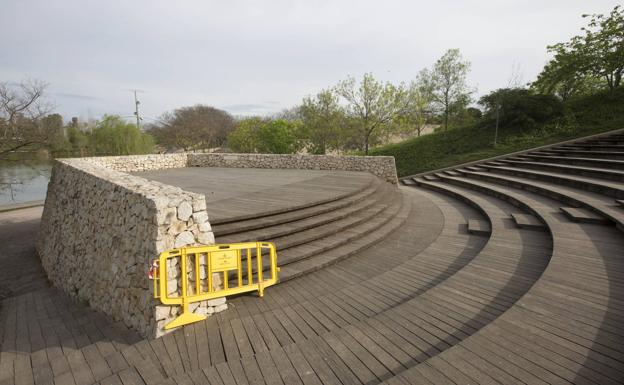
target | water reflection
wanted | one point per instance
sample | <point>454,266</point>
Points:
<point>23,181</point>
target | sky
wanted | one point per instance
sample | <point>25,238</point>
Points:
<point>259,57</point>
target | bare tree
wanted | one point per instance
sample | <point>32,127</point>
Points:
<point>195,127</point>
<point>22,107</point>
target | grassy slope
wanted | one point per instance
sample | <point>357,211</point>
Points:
<point>589,115</point>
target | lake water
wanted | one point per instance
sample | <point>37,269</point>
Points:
<point>23,181</point>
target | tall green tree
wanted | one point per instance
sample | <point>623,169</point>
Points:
<point>420,107</point>
<point>373,105</point>
<point>595,55</point>
<point>448,84</point>
<point>322,119</point>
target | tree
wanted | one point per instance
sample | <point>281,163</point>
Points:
<point>278,137</point>
<point>519,108</point>
<point>21,108</point>
<point>265,136</point>
<point>584,59</point>
<point>77,139</point>
<point>244,138</point>
<point>193,127</point>
<point>420,108</point>
<point>602,47</point>
<point>322,118</point>
<point>372,104</point>
<point>447,82</point>
<point>113,136</point>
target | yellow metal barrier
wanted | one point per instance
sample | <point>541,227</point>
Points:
<point>196,270</point>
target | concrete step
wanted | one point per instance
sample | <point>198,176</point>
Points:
<point>479,227</point>
<point>579,214</point>
<point>527,221</point>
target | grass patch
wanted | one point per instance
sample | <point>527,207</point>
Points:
<point>584,116</point>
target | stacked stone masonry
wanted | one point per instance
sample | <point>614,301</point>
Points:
<point>101,227</point>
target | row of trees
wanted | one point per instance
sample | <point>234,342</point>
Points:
<point>353,115</point>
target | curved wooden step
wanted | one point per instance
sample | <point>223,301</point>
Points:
<point>291,216</point>
<point>593,172</point>
<point>585,162</point>
<point>612,189</point>
<point>578,198</point>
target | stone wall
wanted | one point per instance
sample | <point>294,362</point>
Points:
<point>100,230</point>
<point>133,163</point>
<point>381,166</point>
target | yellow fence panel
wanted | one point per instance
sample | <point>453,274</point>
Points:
<point>199,273</point>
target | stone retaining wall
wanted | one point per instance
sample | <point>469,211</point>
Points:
<point>381,166</point>
<point>100,230</point>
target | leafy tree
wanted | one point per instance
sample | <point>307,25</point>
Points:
<point>322,118</point>
<point>78,140</point>
<point>265,136</point>
<point>373,105</point>
<point>420,107</point>
<point>598,54</point>
<point>520,108</point>
<point>114,136</point>
<point>563,77</point>
<point>193,127</point>
<point>447,84</point>
<point>244,138</point>
<point>278,137</point>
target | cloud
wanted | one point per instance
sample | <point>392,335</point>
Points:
<point>251,109</point>
<point>66,95</point>
<point>263,56</point>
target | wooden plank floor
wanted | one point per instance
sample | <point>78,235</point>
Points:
<point>424,303</point>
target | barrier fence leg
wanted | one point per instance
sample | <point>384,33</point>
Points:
<point>187,316</point>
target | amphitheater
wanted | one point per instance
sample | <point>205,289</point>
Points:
<point>503,271</point>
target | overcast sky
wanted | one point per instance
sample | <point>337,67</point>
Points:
<point>258,57</point>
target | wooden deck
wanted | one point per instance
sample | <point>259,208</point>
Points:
<point>379,286</point>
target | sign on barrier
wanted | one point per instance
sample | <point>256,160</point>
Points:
<point>199,273</point>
